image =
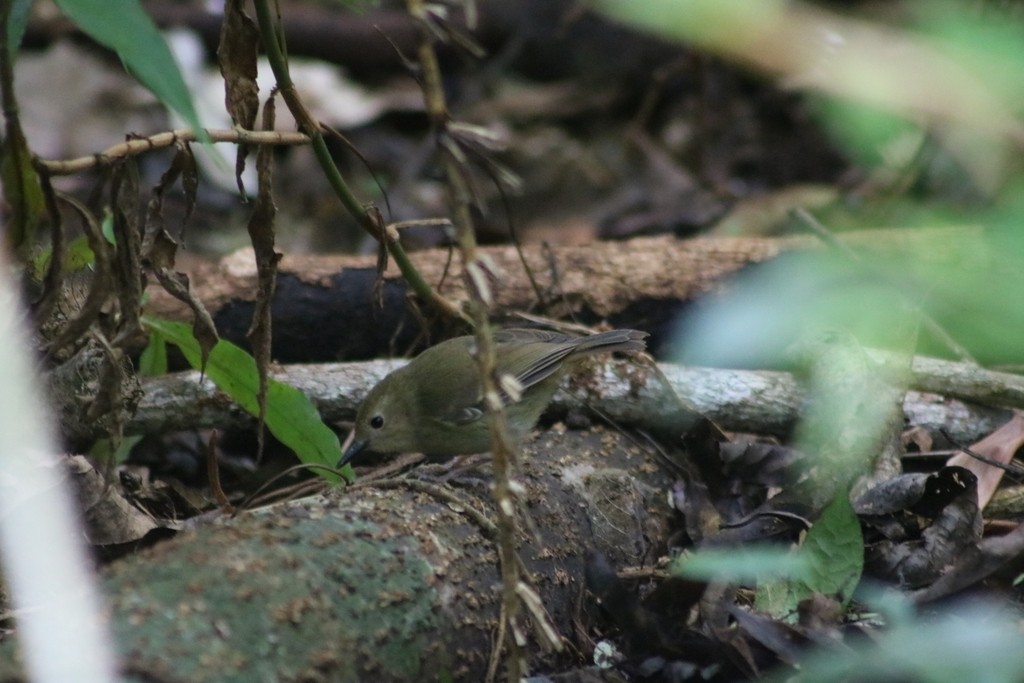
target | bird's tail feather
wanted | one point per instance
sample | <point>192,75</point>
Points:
<point>613,340</point>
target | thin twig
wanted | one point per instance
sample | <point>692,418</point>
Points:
<point>169,138</point>
<point>478,274</point>
<point>213,474</point>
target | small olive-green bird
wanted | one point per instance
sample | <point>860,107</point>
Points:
<point>434,405</point>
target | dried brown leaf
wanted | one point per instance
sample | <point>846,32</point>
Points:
<point>237,57</point>
<point>178,285</point>
<point>998,447</point>
<point>261,234</point>
<point>944,502</point>
<point>128,274</point>
<point>182,166</point>
<point>101,287</point>
<point>109,518</point>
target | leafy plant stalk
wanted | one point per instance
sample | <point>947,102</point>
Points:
<point>21,186</point>
<point>311,127</point>
<point>476,275</point>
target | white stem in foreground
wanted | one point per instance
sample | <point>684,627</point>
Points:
<point>60,628</point>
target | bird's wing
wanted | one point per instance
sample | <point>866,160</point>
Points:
<point>530,356</point>
<point>456,400</point>
<point>533,362</point>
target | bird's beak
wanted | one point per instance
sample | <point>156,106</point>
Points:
<point>354,449</point>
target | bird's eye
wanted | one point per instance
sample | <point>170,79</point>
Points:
<point>376,421</point>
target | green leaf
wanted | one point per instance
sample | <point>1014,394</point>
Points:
<point>16,23</point>
<point>977,641</point>
<point>103,450</point>
<point>107,227</point>
<point>153,361</point>
<point>125,28</point>
<point>21,188</point>
<point>79,255</point>
<point>833,554</point>
<point>291,417</point>
<point>743,565</point>
<point>792,294</point>
<point>707,23</point>
<point>834,548</point>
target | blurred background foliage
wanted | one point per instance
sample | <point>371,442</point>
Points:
<point>934,94</point>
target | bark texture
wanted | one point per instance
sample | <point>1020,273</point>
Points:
<point>327,308</point>
<point>382,584</point>
<point>748,401</point>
